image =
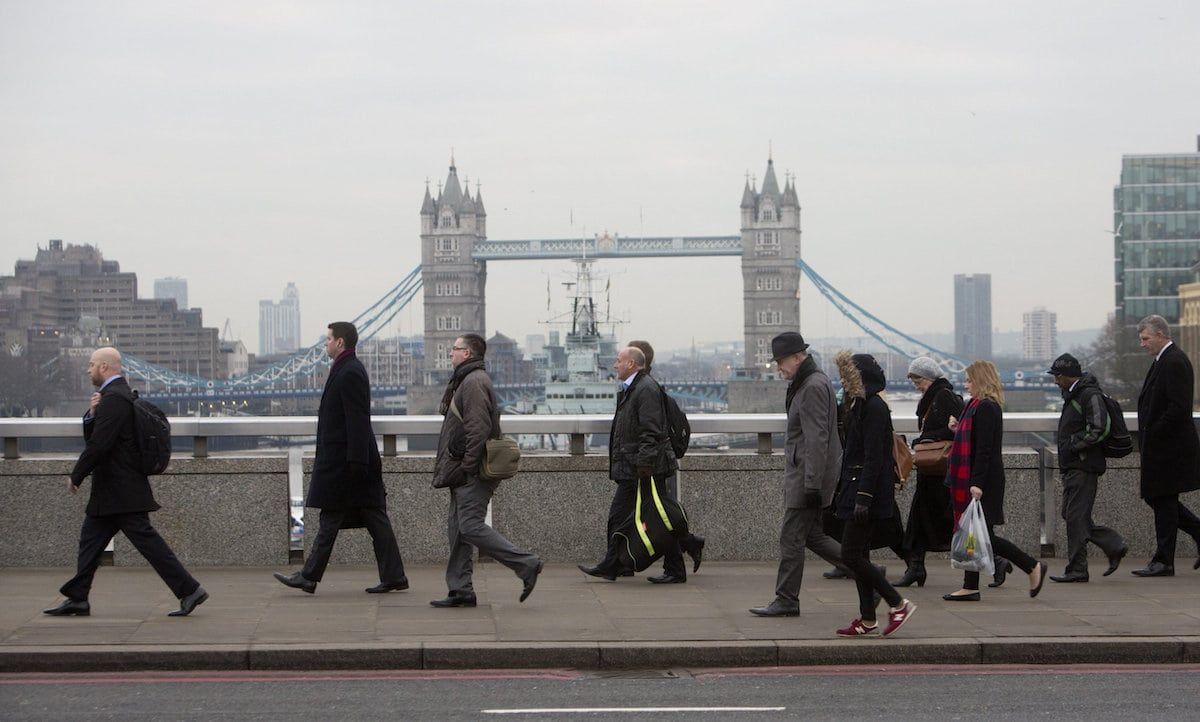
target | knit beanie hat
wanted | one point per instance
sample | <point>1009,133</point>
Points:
<point>925,367</point>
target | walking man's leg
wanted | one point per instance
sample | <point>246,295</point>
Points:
<point>94,536</point>
<point>387,551</point>
<point>1078,497</point>
<point>327,532</point>
<point>146,539</point>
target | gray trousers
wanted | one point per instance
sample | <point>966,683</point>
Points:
<point>468,531</point>
<point>1079,495</point>
<point>801,528</point>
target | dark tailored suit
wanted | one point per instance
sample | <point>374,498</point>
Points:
<point>638,438</point>
<point>347,476</point>
<point>121,498</point>
<point>1170,449</point>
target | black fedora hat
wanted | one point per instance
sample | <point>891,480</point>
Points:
<point>786,344</point>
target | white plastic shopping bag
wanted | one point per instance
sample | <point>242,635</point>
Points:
<point>971,549</point>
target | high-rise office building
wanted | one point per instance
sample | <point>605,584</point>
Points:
<point>973,315</point>
<point>172,288</point>
<point>73,290</point>
<point>1039,338</point>
<point>279,323</point>
<point>1156,227</point>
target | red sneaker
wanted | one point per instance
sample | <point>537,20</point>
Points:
<point>857,629</point>
<point>897,617</point>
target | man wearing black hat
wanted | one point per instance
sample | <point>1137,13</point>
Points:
<point>812,461</point>
<point>1081,429</point>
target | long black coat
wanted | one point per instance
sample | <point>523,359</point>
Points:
<point>1167,436</point>
<point>112,458</point>
<point>987,461</point>
<point>638,437</point>
<point>345,438</point>
<point>868,472</point>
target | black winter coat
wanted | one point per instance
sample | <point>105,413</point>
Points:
<point>112,457</point>
<point>1167,435</point>
<point>937,405</point>
<point>987,461</point>
<point>868,473</point>
<point>347,473</point>
<point>1082,423</point>
<point>638,437</point>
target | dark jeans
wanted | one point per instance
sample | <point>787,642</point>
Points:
<point>1079,496</point>
<point>856,554</point>
<point>98,531</point>
<point>387,552</point>
<point>623,501</point>
<point>1169,517</point>
<point>1001,548</point>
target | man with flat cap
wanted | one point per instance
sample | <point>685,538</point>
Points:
<point>812,461</point>
<point>1081,429</point>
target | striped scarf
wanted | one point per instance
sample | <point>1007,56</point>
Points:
<point>958,474</point>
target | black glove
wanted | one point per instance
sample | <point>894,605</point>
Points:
<point>644,473</point>
<point>862,512</point>
<point>812,499</point>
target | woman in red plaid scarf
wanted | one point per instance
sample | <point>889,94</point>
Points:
<point>977,472</point>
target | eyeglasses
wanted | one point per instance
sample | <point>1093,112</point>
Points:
<point>459,348</point>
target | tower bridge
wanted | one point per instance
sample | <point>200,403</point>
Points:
<point>452,279</point>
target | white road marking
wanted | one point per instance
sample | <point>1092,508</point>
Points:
<point>590,710</point>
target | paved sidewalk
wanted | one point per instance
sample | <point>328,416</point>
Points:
<point>253,622</point>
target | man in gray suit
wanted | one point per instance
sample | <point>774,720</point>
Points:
<point>812,462</point>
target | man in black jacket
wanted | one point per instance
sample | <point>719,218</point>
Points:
<point>1167,440</point>
<point>472,416</point>
<point>1081,429</point>
<point>121,498</point>
<point>347,475</point>
<point>639,449</point>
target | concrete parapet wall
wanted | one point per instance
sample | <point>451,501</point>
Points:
<point>216,512</point>
<point>234,510</point>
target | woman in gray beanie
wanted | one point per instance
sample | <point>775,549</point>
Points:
<point>930,521</point>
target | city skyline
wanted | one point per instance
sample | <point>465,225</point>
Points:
<point>241,148</point>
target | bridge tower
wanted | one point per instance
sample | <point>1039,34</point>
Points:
<point>770,277</point>
<point>453,282</point>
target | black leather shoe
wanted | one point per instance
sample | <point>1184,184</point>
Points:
<point>697,552</point>
<point>1070,578</point>
<point>70,608</point>
<point>530,582</point>
<point>667,579</point>
<point>915,573</point>
<point>455,600</point>
<point>1003,569</point>
<point>776,609</point>
<point>596,571</point>
<point>1154,569</point>
<point>190,602</point>
<point>1042,573</point>
<point>836,573</point>
<point>296,581</point>
<point>385,587</point>
<point>1114,561</point>
<point>972,597</point>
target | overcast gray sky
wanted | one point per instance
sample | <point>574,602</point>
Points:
<point>245,145</point>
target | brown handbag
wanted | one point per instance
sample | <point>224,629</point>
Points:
<point>902,459</point>
<point>932,458</point>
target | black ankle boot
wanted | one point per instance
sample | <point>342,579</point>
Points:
<point>914,573</point>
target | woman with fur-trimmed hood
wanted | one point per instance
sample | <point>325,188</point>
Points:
<point>867,497</point>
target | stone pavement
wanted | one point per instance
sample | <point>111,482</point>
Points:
<point>253,622</point>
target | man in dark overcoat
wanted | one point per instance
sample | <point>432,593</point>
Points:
<point>347,476</point>
<point>1168,442</point>
<point>121,498</point>
<point>639,448</point>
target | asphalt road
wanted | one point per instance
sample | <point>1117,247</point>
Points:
<point>1140,692</point>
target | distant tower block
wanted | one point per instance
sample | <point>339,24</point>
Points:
<point>770,248</point>
<point>454,283</point>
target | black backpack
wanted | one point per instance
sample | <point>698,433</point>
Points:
<point>678,428</point>
<point>153,433</point>
<point>1115,442</point>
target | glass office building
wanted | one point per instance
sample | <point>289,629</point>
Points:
<point>1156,223</point>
